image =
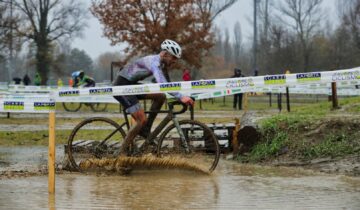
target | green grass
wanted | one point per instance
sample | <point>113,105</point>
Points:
<point>30,138</point>
<point>286,131</point>
<point>26,138</point>
<point>334,145</point>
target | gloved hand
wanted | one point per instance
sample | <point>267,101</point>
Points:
<point>187,100</point>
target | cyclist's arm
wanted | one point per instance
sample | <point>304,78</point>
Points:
<point>160,78</point>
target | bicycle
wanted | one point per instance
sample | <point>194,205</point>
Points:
<point>74,107</point>
<point>188,139</point>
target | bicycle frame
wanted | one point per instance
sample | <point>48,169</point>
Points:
<point>171,116</point>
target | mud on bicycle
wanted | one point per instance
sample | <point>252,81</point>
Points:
<point>100,137</point>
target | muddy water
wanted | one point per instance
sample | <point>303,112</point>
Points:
<point>232,186</point>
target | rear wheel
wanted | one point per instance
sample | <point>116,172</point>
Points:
<point>203,145</point>
<point>98,107</point>
<point>71,107</point>
<point>96,137</point>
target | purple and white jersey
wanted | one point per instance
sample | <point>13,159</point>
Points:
<point>143,68</point>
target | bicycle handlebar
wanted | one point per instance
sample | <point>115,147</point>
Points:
<point>184,106</point>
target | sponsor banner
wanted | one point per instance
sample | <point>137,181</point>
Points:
<point>101,91</point>
<point>44,106</point>
<point>67,93</point>
<point>170,86</point>
<point>307,77</point>
<point>275,79</point>
<point>27,106</point>
<point>203,84</point>
<point>13,105</point>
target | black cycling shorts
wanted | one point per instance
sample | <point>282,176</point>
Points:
<point>130,102</point>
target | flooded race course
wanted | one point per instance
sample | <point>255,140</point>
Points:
<point>231,186</point>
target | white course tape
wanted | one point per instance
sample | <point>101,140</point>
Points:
<point>309,83</point>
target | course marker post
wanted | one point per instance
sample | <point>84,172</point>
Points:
<point>51,154</point>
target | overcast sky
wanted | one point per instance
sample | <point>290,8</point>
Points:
<point>95,44</point>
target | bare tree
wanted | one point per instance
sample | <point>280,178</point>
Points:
<point>227,47</point>
<point>45,21</point>
<point>351,19</point>
<point>304,17</point>
<point>265,20</point>
<point>237,43</point>
<point>214,7</point>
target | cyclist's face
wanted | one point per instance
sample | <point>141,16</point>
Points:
<point>169,59</point>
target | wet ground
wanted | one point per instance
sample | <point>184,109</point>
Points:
<point>232,186</point>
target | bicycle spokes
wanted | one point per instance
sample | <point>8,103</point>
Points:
<point>200,145</point>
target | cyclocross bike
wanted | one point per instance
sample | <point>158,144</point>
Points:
<point>100,137</point>
<point>74,106</point>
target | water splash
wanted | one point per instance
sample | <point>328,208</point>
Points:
<point>126,164</point>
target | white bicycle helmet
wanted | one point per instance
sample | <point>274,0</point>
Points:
<point>172,47</point>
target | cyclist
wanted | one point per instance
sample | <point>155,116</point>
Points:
<point>80,79</point>
<point>151,65</point>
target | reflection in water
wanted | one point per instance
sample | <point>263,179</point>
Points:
<point>233,186</point>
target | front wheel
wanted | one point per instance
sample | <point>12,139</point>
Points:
<point>95,137</point>
<point>202,145</point>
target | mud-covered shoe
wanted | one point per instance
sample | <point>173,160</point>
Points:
<point>144,132</point>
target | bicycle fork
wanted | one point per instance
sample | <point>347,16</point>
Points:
<point>184,143</point>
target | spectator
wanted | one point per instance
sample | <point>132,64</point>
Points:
<point>37,80</point>
<point>237,97</point>
<point>256,72</point>
<point>186,75</point>
<point>60,82</point>
<point>17,80</point>
<point>71,82</point>
<point>26,80</point>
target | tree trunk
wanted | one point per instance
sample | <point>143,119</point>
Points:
<point>249,134</point>
<point>43,60</point>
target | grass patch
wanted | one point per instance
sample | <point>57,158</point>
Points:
<point>10,138</point>
<point>31,138</point>
<point>332,146</point>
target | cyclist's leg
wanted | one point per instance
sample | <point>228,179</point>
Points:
<point>158,100</point>
<point>140,120</point>
<point>132,106</point>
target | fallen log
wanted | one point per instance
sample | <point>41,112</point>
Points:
<point>249,134</point>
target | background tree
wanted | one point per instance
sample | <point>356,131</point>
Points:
<point>304,17</point>
<point>227,47</point>
<point>102,65</point>
<point>45,21</point>
<point>237,43</point>
<point>144,24</point>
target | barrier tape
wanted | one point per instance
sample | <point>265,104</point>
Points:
<point>309,83</point>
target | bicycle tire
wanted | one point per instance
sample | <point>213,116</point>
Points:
<point>203,144</point>
<point>99,128</point>
<point>98,107</point>
<point>71,106</point>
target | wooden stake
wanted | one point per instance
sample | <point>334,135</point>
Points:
<point>51,155</point>
<point>245,102</point>
<point>235,140</point>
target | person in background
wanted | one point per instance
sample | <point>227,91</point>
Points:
<point>60,82</point>
<point>256,72</point>
<point>80,79</point>
<point>186,75</point>
<point>71,82</point>
<point>37,80</point>
<point>237,97</point>
<point>17,80</point>
<point>26,80</point>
